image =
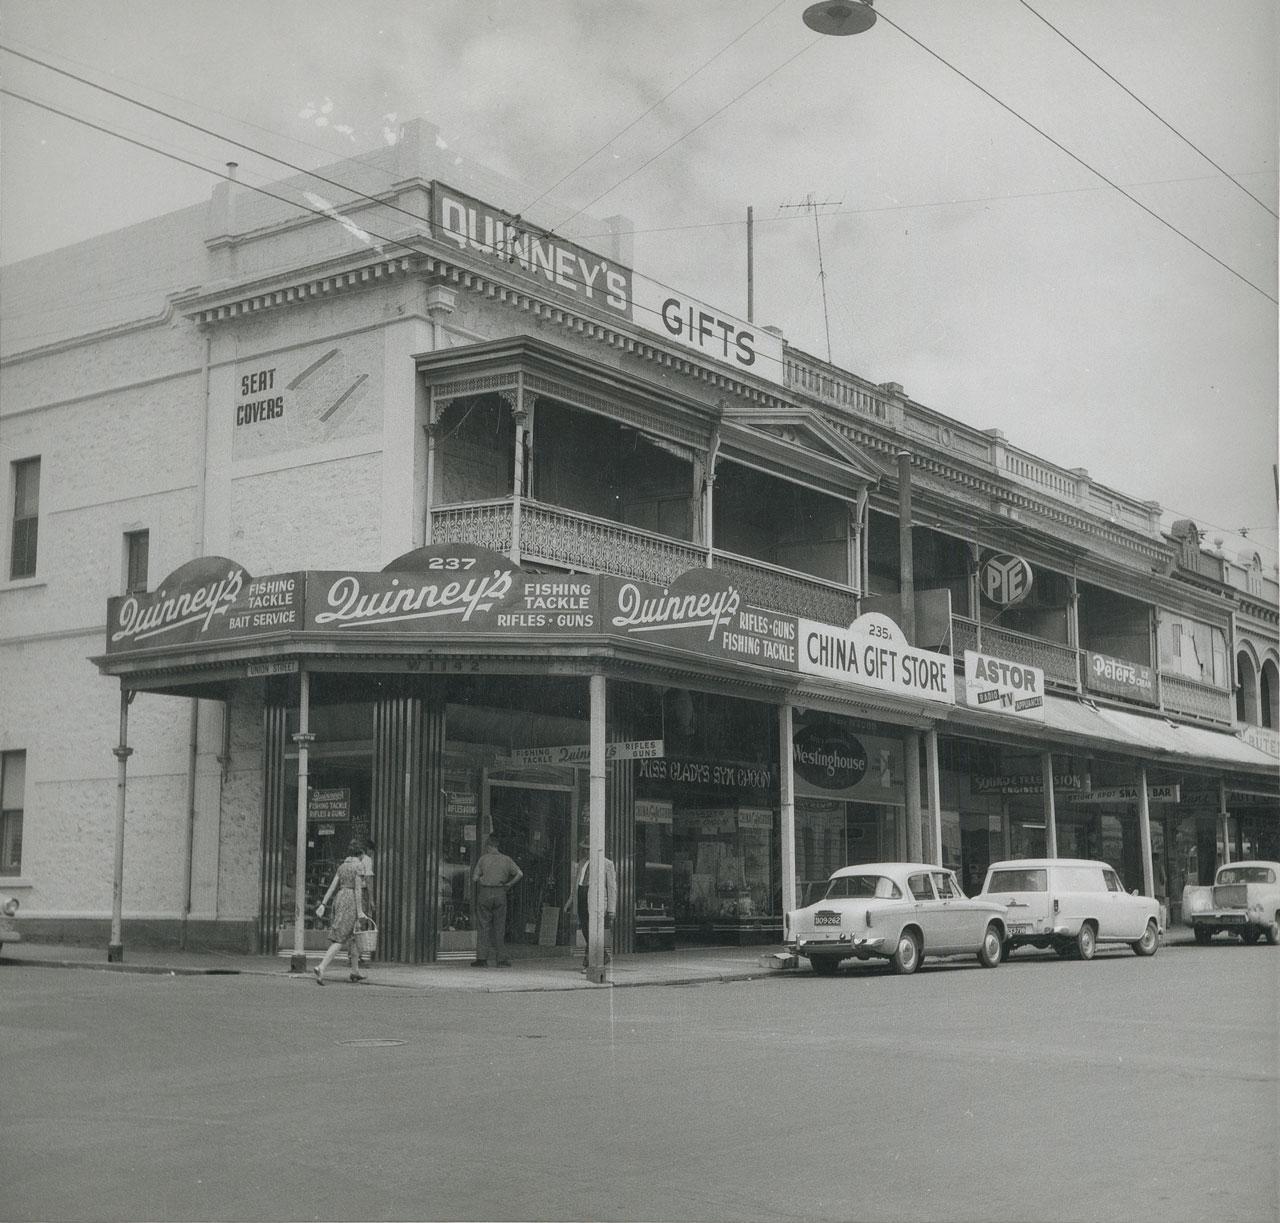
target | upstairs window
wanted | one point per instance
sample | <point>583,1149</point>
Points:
<point>26,518</point>
<point>137,546</point>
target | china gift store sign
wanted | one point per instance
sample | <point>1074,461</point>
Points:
<point>873,653</point>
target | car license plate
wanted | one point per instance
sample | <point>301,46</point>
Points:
<point>1019,927</point>
<point>826,919</point>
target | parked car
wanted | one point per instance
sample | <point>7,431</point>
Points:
<point>1071,905</point>
<point>8,920</point>
<point>898,911</point>
<point>1244,900</point>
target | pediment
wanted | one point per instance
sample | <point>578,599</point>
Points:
<point>804,438</point>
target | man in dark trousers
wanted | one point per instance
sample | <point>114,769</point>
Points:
<point>494,876</point>
<point>582,877</point>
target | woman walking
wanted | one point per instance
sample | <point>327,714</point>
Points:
<point>348,909</point>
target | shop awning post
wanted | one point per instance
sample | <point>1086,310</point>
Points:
<point>1224,823</point>
<point>935,794</point>
<point>1050,812</point>
<point>304,738</point>
<point>1144,833</point>
<point>787,796</point>
<point>911,758</point>
<point>122,751</point>
<point>596,971</point>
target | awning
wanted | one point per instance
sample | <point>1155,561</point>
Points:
<point>1090,726</point>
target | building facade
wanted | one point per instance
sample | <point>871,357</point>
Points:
<point>400,516</point>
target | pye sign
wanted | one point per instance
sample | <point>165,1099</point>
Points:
<point>1005,579</point>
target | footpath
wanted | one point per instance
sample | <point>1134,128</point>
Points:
<point>690,966</point>
<point>685,967</point>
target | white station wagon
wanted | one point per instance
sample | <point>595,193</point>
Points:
<point>1071,905</point>
<point>899,911</point>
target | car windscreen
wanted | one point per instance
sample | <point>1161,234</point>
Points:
<point>1032,880</point>
<point>1246,874</point>
<point>863,887</point>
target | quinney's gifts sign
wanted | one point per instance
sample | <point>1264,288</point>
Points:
<point>873,653</point>
<point>207,600</point>
<point>572,271</point>
<point>999,686</point>
<point>449,589</point>
<point>701,611</point>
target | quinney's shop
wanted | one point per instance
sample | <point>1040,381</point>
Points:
<point>734,756</point>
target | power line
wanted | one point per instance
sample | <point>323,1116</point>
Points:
<point>239,144</point>
<point>1078,159</point>
<point>1147,108</point>
<point>318,212</point>
<point>590,156</point>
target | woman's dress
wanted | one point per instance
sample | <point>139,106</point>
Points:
<point>343,924</point>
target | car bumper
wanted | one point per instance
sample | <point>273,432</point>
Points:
<point>1224,918</point>
<point>851,945</point>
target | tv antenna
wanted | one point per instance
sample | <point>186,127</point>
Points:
<point>811,205</point>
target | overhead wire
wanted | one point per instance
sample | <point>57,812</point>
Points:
<point>401,242</point>
<point>645,114</point>
<point>1154,114</point>
<point>1076,157</point>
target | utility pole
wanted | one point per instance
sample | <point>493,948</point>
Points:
<point>812,205</point>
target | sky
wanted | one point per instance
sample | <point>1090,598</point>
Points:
<point>1055,218</point>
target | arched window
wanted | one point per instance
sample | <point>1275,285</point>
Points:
<point>1269,692</point>
<point>1246,689</point>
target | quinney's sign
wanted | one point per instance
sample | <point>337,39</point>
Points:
<point>461,221</point>
<point>455,590</point>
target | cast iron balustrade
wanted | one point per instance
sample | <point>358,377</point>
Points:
<point>1060,663</point>
<point>1188,696</point>
<point>555,536</point>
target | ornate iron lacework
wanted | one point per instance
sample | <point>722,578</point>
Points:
<point>599,546</point>
<point>1060,663</point>
<point>614,408</point>
<point>488,525</point>
<point>789,592</point>
<point>1181,695</point>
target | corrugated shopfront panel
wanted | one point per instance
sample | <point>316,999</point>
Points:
<point>274,867</point>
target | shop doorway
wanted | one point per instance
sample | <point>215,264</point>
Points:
<point>535,825</point>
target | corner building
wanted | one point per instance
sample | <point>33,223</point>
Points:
<point>432,523</point>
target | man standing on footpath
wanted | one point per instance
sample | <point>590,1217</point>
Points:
<point>609,891</point>
<point>494,876</point>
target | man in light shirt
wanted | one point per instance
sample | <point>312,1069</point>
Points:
<point>581,890</point>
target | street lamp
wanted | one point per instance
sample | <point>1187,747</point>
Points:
<point>840,16</point>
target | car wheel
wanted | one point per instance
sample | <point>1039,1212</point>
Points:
<point>1202,935</point>
<point>992,950</point>
<point>1272,932</point>
<point>1086,941</point>
<point>906,959</point>
<point>824,965</point>
<point>1149,943</point>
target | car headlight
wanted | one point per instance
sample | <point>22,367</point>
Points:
<point>11,907</point>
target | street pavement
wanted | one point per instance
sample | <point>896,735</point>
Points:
<point>1121,1089</point>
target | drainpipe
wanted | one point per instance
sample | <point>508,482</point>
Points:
<point>935,792</point>
<point>1224,822</point>
<point>856,560</point>
<point>122,752</point>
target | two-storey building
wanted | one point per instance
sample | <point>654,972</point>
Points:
<point>396,514</point>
